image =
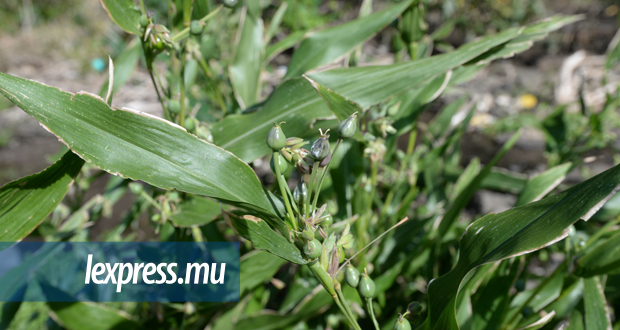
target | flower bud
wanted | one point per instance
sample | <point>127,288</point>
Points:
<point>352,275</point>
<point>366,287</point>
<point>136,188</point>
<point>313,249</point>
<point>144,21</point>
<point>281,163</point>
<point>320,147</point>
<point>402,324</point>
<point>300,195</point>
<point>195,28</point>
<point>174,106</point>
<point>347,127</point>
<point>276,139</point>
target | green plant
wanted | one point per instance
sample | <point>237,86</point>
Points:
<point>360,201</point>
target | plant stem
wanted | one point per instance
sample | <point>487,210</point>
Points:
<point>372,313</point>
<point>315,169</point>
<point>328,284</point>
<point>185,32</point>
<point>325,169</point>
<point>343,300</point>
<point>280,179</point>
<point>149,66</point>
<point>216,90</point>
<point>182,86</point>
<point>142,7</point>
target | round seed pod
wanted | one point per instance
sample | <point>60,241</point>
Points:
<point>281,162</point>
<point>301,192</point>
<point>313,249</point>
<point>196,28</point>
<point>230,3</point>
<point>520,285</point>
<point>352,275</point>
<point>190,124</point>
<point>276,139</point>
<point>144,21</point>
<point>402,324</point>
<point>308,234</point>
<point>347,127</point>
<point>136,188</point>
<point>320,148</point>
<point>174,106</point>
<point>366,287</point>
<point>329,220</point>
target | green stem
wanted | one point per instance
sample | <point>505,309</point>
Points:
<point>182,83</point>
<point>185,32</point>
<point>318,189</point>
<point>328,284</point>
<point>216,90</point>
<point>187,12</point>
<point>142,7</point>
<point>343,300</point>
<point>280,179</point>
<point>372,313</point>
<point>315,169</point>
<point>149,66</point>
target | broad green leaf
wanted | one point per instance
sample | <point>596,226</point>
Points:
<point>84,315</point>
<point>324,46</point>
<point>124,13</point>
<point>196,211</point>
<point>44,190</point>
<point>549,292</point>
<point>288,42</point>
<point>263,237</point>
<point>603,259</point>
<point>258,267</point>
<point>246,63</point>
<point>596,315</point>
<point>515,232</point>
<point>465,179</point>
<point>124,65</point>
<point>139,146</point>
<point>540,185</point>
<point>576,321</point>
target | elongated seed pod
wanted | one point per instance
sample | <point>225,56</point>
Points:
<point>366,287</point>
<point>352,275</point>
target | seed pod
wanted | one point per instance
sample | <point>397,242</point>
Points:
<point>144,21</point>
<point>320,147</point>
<point>301,192</point>
<point>402,324</point>
<point>276,139</point>
<point>136,188</point>
<point>308,234</point>
<point>195,28</point>
<point>174,106</point>
<point>313,249</point>
<point>520,285</point>
<point>352,275</point>
<point>281,163</point>
<point>230,3</point>
<point>156,217</point>
<point>366,287</point>
<point>347,127</point>
<point>190,124</point>
<point>290,142</point>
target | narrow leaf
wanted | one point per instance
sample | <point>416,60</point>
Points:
<point>603,259</point>
<point>540,185</point>
<point>327,45</point>
<point>258,267</point>
<point>246,64</point>
<point>196,211</point>
<point>79,316</point>
<point>44,190</point>
<point>596,315</point>
<point>514,232</point>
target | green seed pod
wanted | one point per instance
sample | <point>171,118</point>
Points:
<point>308,234</point>
<point>347,127</point>
<point>281,162</point>
<point>195,28</point>
<point>520,285</point>
<point>136,188</point>
<point>402,324</point>
<point>156,217</point>
<point>352,275</point>
<point>230,3</point>
<point>174,106</point>
<point>367,287</point>
<point>190,124</point>
<point>313,249</point>
<point>301,192</point>
<point>329,220</point>
<point>144,21</point>
<point>320,148</point>
<point>276,139</point>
